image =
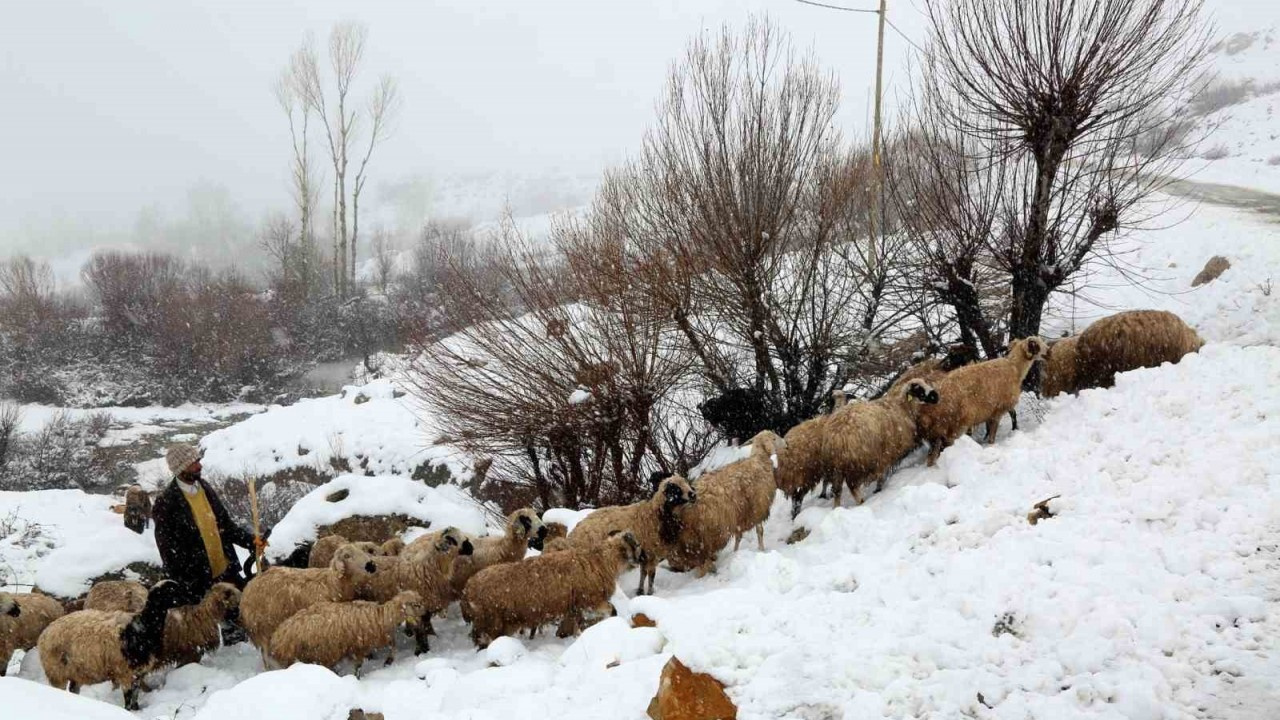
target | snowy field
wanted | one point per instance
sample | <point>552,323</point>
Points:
<point>1152,595</point>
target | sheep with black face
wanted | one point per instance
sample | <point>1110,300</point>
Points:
<point>862,441</point>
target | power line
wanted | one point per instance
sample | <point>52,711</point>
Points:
<point>904,35</point>
<point>838,7</point>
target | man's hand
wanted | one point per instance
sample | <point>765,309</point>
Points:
<point>259,545</point>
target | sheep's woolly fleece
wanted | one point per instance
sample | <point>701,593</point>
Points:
<point>373,428</point>
<point>441,507</point>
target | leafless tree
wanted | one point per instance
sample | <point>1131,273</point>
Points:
<point>304,178</point>
<point>747,218</point>
<point>347,129</point>
<point>1041,130</point>
<point>383,251</point>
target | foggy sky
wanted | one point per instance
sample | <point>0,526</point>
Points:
<point>110,107</point>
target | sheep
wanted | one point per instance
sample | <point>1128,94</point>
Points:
<point>655,523</point>
<point>800,464</point>
<point>277,593</point>
<point>977,394</point>
<point>504,599</point>
<point>93,646</point>
<point>556,531</point>
<point>329,632</point>
<point>524,530</point>
<point>731,500</point>
<point>426,567</point>
<point>192,631</point>
<point>1058,368</point>
<point>739,413</point>
<point>862,441</point>
<point>137,509</point>
<point>324,548</point>
<point>23,616</point>
<point>1128,341</point>
<point>116,595</point>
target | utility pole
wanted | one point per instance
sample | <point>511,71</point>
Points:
<point>877,140</point>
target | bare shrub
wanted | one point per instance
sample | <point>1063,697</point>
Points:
<point>1219,94</point>
<point>60,455</point>
<point>10,419</point>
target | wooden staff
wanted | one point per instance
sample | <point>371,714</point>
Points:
<point>257,532</point>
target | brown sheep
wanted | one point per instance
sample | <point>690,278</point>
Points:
<point>977,394</point>
<point>328,633</point>
<point>1058,368</point>
<point>324,548</point>
<point>656,524</point>
<point>1128,341</point>
<point>92,646</point>
<point>193,630</point>
<point>504,599</point>
<point>426,567</point>
<point>117,596</point>
<point>800,462</point>
<point>524,529</point>
<point>731,500</point>
<point>864,440</point>
<point>137,509</point>
<point>279,592</point>
<point>555,531</point>
<point>23,616</point>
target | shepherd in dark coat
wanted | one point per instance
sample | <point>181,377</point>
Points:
<point>194,532</point>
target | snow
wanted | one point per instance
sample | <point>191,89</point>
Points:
<point>36,416</point>
<point>302,692</point>
<point>378,495</point>
<point>373,428</point>
<point>26,699</point>
<point>579,396</point>
<point>77,538</point>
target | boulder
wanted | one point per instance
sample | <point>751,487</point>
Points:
<point>686,695</point>
<point>1212,269</point>
<point>642,620</point>
<point>371,528</point>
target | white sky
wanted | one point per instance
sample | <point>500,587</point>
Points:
<point>111,106</point>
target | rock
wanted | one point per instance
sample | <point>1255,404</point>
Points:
<point>358,714</point>
<point>686,695</point>
<point>371,528</point>
<point>642,620</point>
<point>1212,269</point>
<point>797,535</point>
<point>1040,511</point>
<point>338,496</point>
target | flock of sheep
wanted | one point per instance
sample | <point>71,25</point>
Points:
<point>354,597</point>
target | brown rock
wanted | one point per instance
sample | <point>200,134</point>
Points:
<point>358,714</point>
<point>642,620</point>
<point>797,535</point>
<point>1212,269</point>
<point>686,695</point>
<point>371,528</point>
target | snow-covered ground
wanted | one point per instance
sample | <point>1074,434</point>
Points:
<point>1244,147</point>
<point>1153,593</point>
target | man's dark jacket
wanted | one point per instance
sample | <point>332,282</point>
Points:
<point>181,547</point>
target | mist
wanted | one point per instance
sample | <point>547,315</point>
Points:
<point>153,125</point>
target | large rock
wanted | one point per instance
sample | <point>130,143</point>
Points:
<point>686,695</point>
<point>1212,269</point>
<point>371,528</point>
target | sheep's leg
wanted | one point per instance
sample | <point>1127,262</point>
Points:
<point>569,624</point>
<point>73,687</point>
<point>935,449</point>
<point>760,536</point>
<point>837,490</point>
<point>421,635</point>
<point>856,490</point>
<point>131,697</point>
<point>533,631</point>
<point>880,481</point>
<point>993,425</point>
<point>796,500</point>
<point>737,541</point>
<point>4,669</point>
<point>1013,416</point>
<point>391,656</point>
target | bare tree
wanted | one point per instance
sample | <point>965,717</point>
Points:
<point>747,218</point>
<point>303,177</point>
<point>1042,130</point>
<point>383,252</point>
<point>347,129</point>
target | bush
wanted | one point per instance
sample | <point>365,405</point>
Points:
<point>62,455</point>
<point>275,498</point>
<point>1217,152</point>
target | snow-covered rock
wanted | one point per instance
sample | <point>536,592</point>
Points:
<point>367,496</point>
<point>23,699</point>
<point>301,692</point>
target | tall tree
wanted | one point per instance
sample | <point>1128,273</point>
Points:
<point>351,132</point>
<point>1041,131</point>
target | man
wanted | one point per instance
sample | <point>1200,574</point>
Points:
<point>194,532</point>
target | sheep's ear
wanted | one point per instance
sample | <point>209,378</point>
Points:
<point>526,523</point>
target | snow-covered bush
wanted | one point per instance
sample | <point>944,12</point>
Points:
<point>62,454</point>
